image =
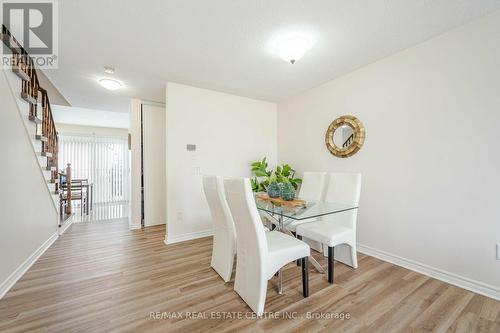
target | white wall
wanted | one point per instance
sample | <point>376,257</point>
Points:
<point>110,132</point>
<point>229,131</point>
<point>430,191</point>
<point>28,218</point>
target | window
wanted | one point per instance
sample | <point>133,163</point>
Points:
<point>101,160</point>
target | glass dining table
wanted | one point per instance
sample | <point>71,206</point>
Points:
<point>281,215</point>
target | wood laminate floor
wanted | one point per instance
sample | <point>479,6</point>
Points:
<point>105,278</point>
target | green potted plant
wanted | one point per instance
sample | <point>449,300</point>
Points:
<point>261,180</point>
<point>281,175</point>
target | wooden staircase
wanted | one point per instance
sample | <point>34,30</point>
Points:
<point>39,120</point>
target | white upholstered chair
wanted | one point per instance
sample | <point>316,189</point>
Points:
<point>313,184</point>
<point>224,241</point>
<point>312,188</point>
<point>260,254</point>
<point>338,228</point>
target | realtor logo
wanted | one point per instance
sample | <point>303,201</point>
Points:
<point>34,24</point>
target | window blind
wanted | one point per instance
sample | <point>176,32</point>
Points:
<point>101,160</point>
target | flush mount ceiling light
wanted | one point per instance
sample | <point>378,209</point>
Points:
<point>292,46</point>
<point>109,69</point>
<point>110,84</point>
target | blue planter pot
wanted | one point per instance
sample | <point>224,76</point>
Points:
<point>274,190</point>
<point>287,192</point>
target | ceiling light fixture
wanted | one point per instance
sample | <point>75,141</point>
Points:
<point>110,84</point>
<point>109,69</point>
<point>292,46</point>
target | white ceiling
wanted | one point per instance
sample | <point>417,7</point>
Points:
<point>223,44</point>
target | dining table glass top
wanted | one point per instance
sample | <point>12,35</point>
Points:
<point>310,209</point>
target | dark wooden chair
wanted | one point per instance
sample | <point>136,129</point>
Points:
<point>73,193</point>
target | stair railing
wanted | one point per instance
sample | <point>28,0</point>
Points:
<point>40,111</point>
<point>348,142</point>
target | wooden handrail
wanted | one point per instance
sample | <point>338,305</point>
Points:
<point>33,93</point>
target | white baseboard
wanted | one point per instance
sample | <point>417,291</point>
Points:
<point>66,225</point>
<point>451,278</point>
<point>135,226</point>
<point>19,272</point>
<point>188,236</point>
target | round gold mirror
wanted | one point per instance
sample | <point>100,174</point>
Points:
<point>345,136</point>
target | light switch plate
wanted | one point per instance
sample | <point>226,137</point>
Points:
<point>498,251</point>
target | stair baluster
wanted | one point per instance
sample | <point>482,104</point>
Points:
<point>68,189</point>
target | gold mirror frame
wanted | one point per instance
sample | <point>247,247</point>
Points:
<point>359,136</point>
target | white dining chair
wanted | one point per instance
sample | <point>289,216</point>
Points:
<point>338,228</point>
<point>260,254</point>
<point>224,240</point>
<point>311,190</point>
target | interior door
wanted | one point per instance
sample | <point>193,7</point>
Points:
<point>154,166</point>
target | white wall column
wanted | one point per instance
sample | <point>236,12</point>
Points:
<point>135,163</point>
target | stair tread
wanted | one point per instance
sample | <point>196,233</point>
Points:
<point>28,98</point>
<point>9,41</point>
<point>41,138</point>
<point>46,154</point>
<point>19,72</point>
<point>35,119</point>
